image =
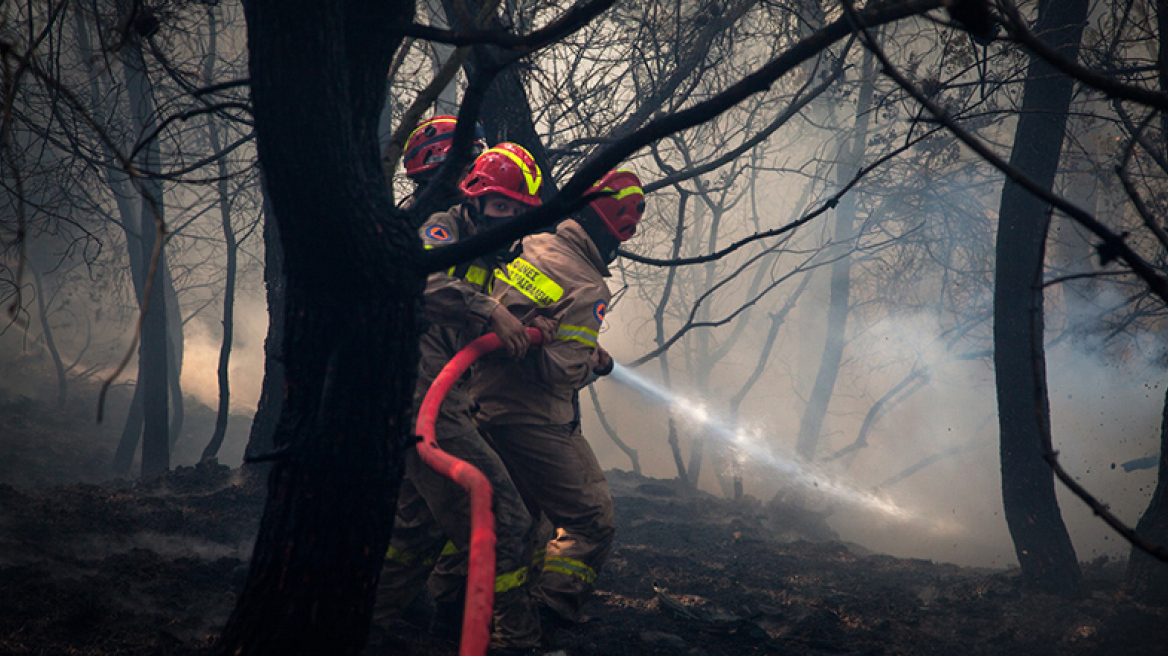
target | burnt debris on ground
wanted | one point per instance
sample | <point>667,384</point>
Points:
<point>152,567</point>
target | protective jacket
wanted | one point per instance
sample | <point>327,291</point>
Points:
<point>432,508</point>
<point>526,411</point>
<point>458,307</point>
<point>560,276</point>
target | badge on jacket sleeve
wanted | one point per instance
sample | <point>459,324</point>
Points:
<point>600,310</point>
<point>438,233</point>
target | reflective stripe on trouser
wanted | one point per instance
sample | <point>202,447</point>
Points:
<point>448,578</point>
<point>557,472</point>
<point>445,512</point>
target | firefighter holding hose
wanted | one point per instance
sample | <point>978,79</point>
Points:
<point>526,405</point>
<point>502,182</point>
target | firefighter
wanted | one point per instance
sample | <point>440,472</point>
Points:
<point>526,406</point>
<point>426,149</point>
<point>503,181</point>
<point>428,146</point>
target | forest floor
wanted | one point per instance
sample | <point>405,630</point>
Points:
<point>152,567</point>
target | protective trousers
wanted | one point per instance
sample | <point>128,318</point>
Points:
<point>432,509</point>
<point>558,475</point>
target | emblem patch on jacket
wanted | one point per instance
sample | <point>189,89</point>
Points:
<point>437,233</point>
<point>599,311</point>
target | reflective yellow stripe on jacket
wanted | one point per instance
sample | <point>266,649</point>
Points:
<point>475,275</point>
<point>582,334</point>
<point>531,282</point>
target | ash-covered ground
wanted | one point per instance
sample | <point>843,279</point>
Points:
<point>112,567</point>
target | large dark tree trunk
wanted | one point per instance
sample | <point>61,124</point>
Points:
<point>353,274</point>
<point>1147,578</point>
<point>1040,537</point>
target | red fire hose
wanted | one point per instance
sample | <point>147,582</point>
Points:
<point>480,580</point>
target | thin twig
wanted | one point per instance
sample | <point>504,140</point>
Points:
<point>629,451</point>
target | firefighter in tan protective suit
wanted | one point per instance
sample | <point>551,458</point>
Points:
<point>503,181</point>
<point>526,406</point>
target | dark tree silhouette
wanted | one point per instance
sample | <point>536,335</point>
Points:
<point>153,375</point>
<point>351,267</point>
<point>1146,577</point>
<point>1041,542</point>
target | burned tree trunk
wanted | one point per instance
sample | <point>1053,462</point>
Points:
<point>47,334</point>
<point>351,262</point>
<point>174,352</point>
<point>152,347</point>
<point>1147,578</point>
<point>1040,537</point>
<point>138,224</point>
<point>659,338</point>
<point>704,359</point>
<point>232,246</point>
<point>851,155</point>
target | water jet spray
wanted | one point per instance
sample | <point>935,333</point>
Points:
<point>752,446</point>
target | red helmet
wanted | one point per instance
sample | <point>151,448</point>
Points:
<point>622,206</point>
<point>431,141</point>
<point>506,169</point>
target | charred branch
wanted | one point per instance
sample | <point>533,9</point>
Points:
<point>1016,26</point>
<point>572,20</point>
<point>571,196</point>
<point>1112,246</point>
<point>829,204</point>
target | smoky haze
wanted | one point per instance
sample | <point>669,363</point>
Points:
<point>905,447</point>
<point>1104,413</point>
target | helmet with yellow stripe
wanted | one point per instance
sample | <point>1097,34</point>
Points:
<point>506,169</point>
<point>430,142</point>
<point>623,202</point>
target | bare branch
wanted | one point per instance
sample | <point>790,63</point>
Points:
<point>1016,26</point>
<point>826,205</point>
<point>576,17</point>
<point>570,198</point>
<point>1113,246</point>
<point>629,451</point>
<point>801,101</point>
